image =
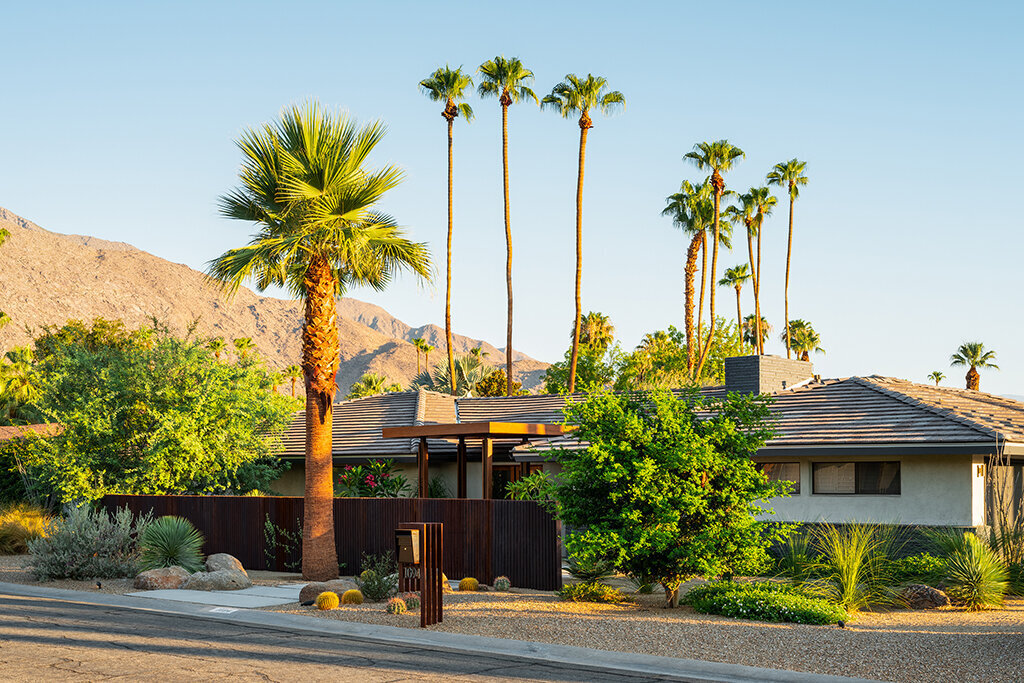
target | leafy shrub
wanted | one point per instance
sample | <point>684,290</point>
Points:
<point>855,568</point>
<point>375,479</point>
<point>975,576</point>
<point>590,592</point>
<point>89,544</point>
<point>396,606</point>
<point>352,597</point>
<point>171,541</point>
<point>379,577</point>
<point>763,601</point>
<point>412,600</point>
<point>469,584</point>
<point>19,524</point>
<point>921,568</point>
<point>502,584</point>
<point>327,600</point>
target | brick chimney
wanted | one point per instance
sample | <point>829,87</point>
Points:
<point>764,374</point>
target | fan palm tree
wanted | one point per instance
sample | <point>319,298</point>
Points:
<point>736,277</point>
<point>802,339</point>
<point>750,212</point>
<point>718,157</point>
<point>936,376</point>
<point>244,346</point>
<point>372,384</point>
<point>508,80</point>
<point>752,328</point>
<point>217,345</point>
<point>293,373</point>
<point>575,95</point>
<point>789,174</point>
<point>427,348</point>
<point>18,380</point>
<point>974,356</point>
<point>596,331</point>
<point>470,369</point>
<point>418,344</point>
<point>449,86</point>
<point>305,183</point>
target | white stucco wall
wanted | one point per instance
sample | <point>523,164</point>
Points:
<point>935,490</point>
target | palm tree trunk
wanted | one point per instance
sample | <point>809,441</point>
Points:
<point>711,284</point>
<point>757,297</point>
<point>505,102</point>
<point>448,282</point>
<point>973,379</point>
<point>293,387</point>
<point>688,274</point>
<point>753,282</point>
<point>739,316</point>
<point>584,127</point>
<point>789,254</point>
<point>703,282</point>
<point>320,365</point>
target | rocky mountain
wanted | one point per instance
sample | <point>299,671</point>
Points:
<point>47,278</point>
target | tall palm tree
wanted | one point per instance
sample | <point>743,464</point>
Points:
<point>217,345</point>
<point>801,339</point>
<point>936,376</point>
<point>305,183</point>
<point>418,344</point>
<point>974,356</point>
<point>427,348</point>
<point>736,277</point>
<point>293,373</point>
<point>754,205</point>
<point>755,332</point>
<point>718,157</point>
<point>449,86</point>
<point>789,174</point>
<point>575,95</point>
<point>244,346</point>
<point>372,384</point>
<point>508,80</point>
<point>596,331</point>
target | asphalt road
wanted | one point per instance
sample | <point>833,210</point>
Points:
<point>44,639</point>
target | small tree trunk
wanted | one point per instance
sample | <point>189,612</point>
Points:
<point>703,283</point>
<point>789,255</point>
<point>739,315</point>
<point>688,274</point>
<point>757,297</point>
<point>584,127</point>
<point>719,187</point>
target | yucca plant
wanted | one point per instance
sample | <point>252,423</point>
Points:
<point>854,564</point>
<point>590,570</point>
<point>796,561</point>
<point>976,577</point>
<point>172,541</point>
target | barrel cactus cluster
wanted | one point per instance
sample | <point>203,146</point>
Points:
<point>352,597</point>
<point>412,600</point>
<point>327,600</point>
<point>502,583</point>
<point>396,606</point>
<point>469,584</point>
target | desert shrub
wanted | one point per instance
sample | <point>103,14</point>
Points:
<point>396,606</point>
<point>641,585</point>
<point>412,600</point>
<point>19,524</point>
<point>327,600</point>
<point>88,544</point>
<point>469,584</point>
<point>975,576</point>
<point>763,601</point>
<point>502,584</point>
<point>352,597</point>
<point>854,566</point>
<point>171,541</point>
<point>921,568</point>
<point>379,577</point>
<point>590,569</point>
<point>590,592</point>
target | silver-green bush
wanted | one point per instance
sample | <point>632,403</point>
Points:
<point>89,544</point>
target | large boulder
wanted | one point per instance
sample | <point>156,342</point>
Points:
<point>165,578</point>
<point>311,590</point>
<point>220,580</point>
<point>223,561</point>
<point>920,596</point>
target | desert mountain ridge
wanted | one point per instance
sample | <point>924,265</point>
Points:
<point>47,278</point>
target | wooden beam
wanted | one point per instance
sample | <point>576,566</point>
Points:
<point>421,467</point>
<point>479,430</point>
<point>486,453</point>
<point>462,468</point>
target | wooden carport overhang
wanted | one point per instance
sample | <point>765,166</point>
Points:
<point>485,431</point>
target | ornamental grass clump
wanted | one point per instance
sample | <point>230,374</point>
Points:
<point>172,541</point>
<point>327,600</point>
<point>975,576</point>
<point>763,601</point>
<point>854,566</point>
<point>396,606</point>
<point>88,544</point>
<point>352,597</point>
<point>19,524</point>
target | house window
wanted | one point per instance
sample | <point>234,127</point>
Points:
<point>849,478</point>
<point>783,471</point>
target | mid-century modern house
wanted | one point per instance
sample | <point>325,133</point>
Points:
<point>856,449</point>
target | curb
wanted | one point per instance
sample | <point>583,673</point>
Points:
<point>602,661</point>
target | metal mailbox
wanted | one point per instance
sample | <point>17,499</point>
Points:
<point>407,545</point>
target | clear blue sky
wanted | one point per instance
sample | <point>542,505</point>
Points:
<point>119,121</point>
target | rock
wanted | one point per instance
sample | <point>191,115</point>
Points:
<point>482,587</point>
<point>446,585</point>
<point>920,596</point>
<point>223,561</point>
<point>311,590</point>
<point>220,580</point>
<point>165,578</point>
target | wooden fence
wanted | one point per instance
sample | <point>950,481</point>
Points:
<point>482,538</point>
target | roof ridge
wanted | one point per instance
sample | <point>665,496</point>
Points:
<point>910,400</point>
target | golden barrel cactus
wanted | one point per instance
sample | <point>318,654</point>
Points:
<point>327,600</point>
<point>352,597</point>
<point>469,584</point>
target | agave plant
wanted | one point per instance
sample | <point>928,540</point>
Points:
<point>172,541</point>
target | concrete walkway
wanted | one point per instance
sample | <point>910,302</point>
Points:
<point>249,598</point>
<point>574,659</point>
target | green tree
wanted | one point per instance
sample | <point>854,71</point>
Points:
<point>418,344</point>
<point>508,80</point>
<point>665,495</point>
<point>470,370</point>
<point>802,339</point>
<point>936,376</point>
<point>736,277</point>
<point>372,384</point>
<point>789,174</point>
<point>973,355</point>
<point>19,387</point>
<point>596,368</point>
<point>243,346</point>
<point>449,86</point>
<point>596,331</point>
<point>659,362</point>
<point>495,384</point>
<point>756,332</point>
<point>576,95</point>
<point>294,374</point>
<point>306,184</point>
<point>217,345</point>
<point>718,157</point>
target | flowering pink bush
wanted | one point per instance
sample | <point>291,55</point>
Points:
<point>376,479</point>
